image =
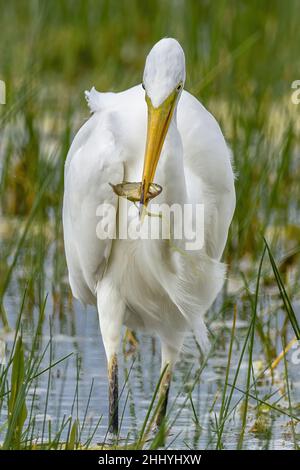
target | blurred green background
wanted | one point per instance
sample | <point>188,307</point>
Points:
<point>242,57</point>
<point>72,44</point>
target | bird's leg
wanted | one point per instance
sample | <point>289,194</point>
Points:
<point>111,310</point>
<point>113,394</point>
<point>168,358</point>
<point>163,395</point>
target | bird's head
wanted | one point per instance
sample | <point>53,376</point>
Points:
<point>163,81</point>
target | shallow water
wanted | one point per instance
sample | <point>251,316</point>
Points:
<point>77,332</point>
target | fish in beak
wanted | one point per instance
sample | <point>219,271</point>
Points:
<point>158,124</point>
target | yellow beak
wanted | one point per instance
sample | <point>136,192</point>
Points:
<point>158,123</point>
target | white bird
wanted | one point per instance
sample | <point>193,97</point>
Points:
<point>157,285</point>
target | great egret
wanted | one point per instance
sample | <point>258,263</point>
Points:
<point>147,283</point>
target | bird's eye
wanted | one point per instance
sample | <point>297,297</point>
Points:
<point>143,86</point>
<point>179,87</point>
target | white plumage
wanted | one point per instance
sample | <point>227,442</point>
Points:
<point>147,283</point>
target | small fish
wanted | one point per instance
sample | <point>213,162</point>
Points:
<point>132,191</point>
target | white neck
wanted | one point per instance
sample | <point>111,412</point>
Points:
<point>170,171</point>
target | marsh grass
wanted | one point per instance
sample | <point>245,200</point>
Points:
<point>241,60</point>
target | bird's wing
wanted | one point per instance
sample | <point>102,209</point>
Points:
<point>92,163</point>
<point>208,170</point>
